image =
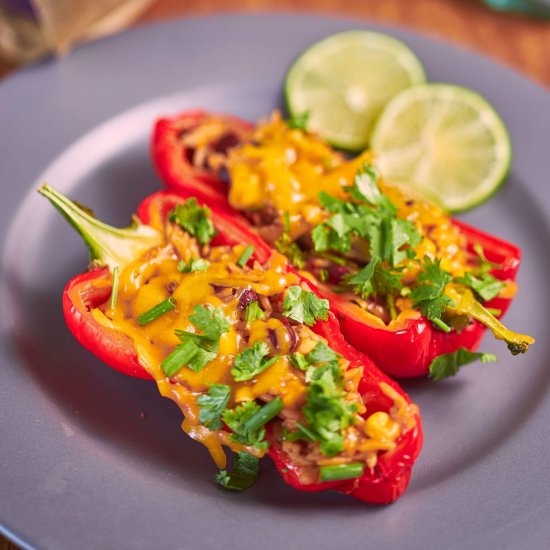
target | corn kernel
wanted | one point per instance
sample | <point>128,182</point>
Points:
<point>380,426</point>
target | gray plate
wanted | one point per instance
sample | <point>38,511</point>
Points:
<point>92,459</point>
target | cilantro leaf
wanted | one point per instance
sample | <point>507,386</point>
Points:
<point>210,320</point>
<point>194,219</point>
<point>197,350</point>
<point>298,121</point>
<point>375,280</point>
<point>252,361</point>
<point>299,361</point>
<point>212,405</point>
<point>321,353</point>
<point>365,189</point>
<point>429,295</point>
<point>195,264</point>
<point>362,280</point>
<point>304,306</point>
<point>485,286</point>
<point>244,473</point>
<point>286,246</point>
<point>449,364</point>
<point>236,419</point>
<point>253,311</point>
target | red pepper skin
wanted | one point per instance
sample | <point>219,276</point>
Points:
<point>383,484</point>
<point>402,352</point>
<point>114,348</point>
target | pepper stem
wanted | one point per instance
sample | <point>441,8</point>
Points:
<point>466,304</point>
<point>108,246</point>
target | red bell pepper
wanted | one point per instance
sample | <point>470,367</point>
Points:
<point>405,351</point>
<point>383,483</point>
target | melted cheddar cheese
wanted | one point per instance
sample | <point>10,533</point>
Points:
<point>153,278</point>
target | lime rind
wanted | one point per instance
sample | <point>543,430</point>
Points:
<point>344,80</point>
<point>393,133</point>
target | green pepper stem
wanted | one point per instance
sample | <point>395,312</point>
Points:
<point>466,304</point>
<point>108,246</point>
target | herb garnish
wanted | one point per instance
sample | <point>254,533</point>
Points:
<point>248,420</point>
<point>286,246</point>
<point>485,285</point>
<point>243,475</point>
<point>194,219</point>
<point>212,405</point>
<point>429,295</point>
<point>449,364</point>
<point>253,311</point>
<point>156,311</point>
<point>326,410</point>
<point>245,256</point>
<point>197,350</point>
<point>298,121</point>
<point>195,264</point>
<point>252,361</point>
<point>304,306</point>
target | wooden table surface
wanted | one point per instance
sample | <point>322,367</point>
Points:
<point>517,41</point>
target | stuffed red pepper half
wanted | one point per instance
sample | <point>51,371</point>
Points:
<point>411,287</point>
<point>243,345</point>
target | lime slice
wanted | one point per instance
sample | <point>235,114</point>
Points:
<point>445,140</point>
<point>344,81</point>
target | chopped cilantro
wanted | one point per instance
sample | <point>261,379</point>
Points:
<point>376,280</point>
<point>299,361</point>
<point>236,419</point>
<point>449,364</point>
<point>368,215</point>
<point>485,285</point>
<point>321,353</point>
<point>194,219</point>
<point>304,306</point>
<point>252,361</point>
<point>428,295</point>
<point>243,475</point>
<point>327,411</point>
<point>298,121</point>
<point>197,350</point>
<point>212,405</point>
<point>253,311</point>
<point>195,264</point>
<point>484,264</point>
<point>286,246</point>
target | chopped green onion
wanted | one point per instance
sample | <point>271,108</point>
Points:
<point>114,291</point>
<point>441,324</point>
<point>245,256</point>
<point>253,311</point>
<point>286,221</point>
<point>264,415</point>
<point>156,311</point>
<point>305,431</point>
<point>178,358</point>
<point>342,471</point>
